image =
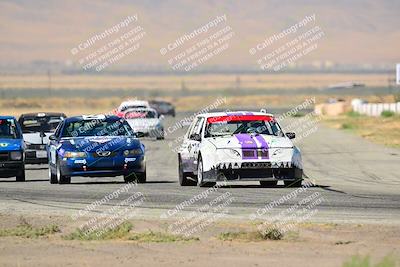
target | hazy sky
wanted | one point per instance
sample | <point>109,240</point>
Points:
<point>357,32</point>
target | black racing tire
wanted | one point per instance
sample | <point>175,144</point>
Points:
<point>200,175</point>
<point>183,176</point>
<point>20,177</point>
<point>267,184</point>
<point>52,177</point>
<point>61,178</point>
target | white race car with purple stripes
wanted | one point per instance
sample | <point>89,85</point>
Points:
<point>241,146</point>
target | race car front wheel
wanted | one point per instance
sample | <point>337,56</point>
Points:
<point>183,180</point>
<point>61,178</point>
<point>52,177</point>
<point>21,176</point>
<point>200,175</point>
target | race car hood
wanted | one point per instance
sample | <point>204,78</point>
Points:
<point>143,123</point>
<point>250,141</point>
<point>34,138</point>
<point>93,144</point>
<point>11,144</point>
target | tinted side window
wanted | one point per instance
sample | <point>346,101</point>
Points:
<point>196,129</point>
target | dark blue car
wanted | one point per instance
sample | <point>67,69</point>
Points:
<point>11,149</point>
<point>95,146</point>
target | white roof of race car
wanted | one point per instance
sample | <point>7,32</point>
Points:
<point>233,113</point>
<point>134,103</point>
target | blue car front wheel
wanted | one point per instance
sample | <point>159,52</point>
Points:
<point>61,178</point>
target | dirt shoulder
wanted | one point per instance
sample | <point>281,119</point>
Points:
<point>380,130</point>
<point>222,243</point>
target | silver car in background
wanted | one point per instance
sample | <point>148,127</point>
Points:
<point>146,121</point>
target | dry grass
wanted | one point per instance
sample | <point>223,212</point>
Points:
<point>204,82</point>
<point>381,130</point>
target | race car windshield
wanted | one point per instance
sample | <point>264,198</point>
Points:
<point>85,128</point>
<point>38,124</point>
<point>8,130</point>
<point>141,114</point>
<point>125,108</point>
<point>231,127</point>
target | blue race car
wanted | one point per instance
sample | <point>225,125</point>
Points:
<point>95,146</point>
<point>12,148</point>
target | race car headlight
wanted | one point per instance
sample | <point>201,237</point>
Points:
<point>132,152</point>
<point>70,154</point>
<point>277,152</point>
<point>232,153</point>
<point>16,155</point>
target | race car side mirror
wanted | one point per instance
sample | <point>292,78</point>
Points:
<point>52,138</point>
<point>139,134</point>
<point>291,135</point>
<point>195,137</point>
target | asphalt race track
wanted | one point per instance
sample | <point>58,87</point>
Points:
<point>358,181</point>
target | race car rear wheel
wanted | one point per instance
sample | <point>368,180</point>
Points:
<point>21,176</point>
<point>183,180</point>
<point>52,177</point>
<point>268,183</point>
<point>200,175</point>
<point>61,178</point>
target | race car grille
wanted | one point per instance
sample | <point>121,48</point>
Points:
<point>104,154</point>
<point>3,156</point>
<point>262,153</point>
<point>256,165</point>
<point>36,146</point>
<point>248,153</point>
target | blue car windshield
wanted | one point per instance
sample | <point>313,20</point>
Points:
<point>8,129</point>
<point>105,127</point>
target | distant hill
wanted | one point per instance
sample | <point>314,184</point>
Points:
<point>356,32</point>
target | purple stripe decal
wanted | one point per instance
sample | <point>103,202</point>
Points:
<point>264,146</point>
<point>248,145</point>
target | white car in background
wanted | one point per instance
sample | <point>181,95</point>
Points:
<point>241,146</point>
<point>146,122</point>
<point>36,129</point>
<point>131,104</point>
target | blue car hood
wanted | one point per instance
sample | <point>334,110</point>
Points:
<point>93,144</point>
<point>11,144</point>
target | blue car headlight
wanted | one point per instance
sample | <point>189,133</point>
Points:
<point>16,155</point>
<point>133,152</point>
<point>70,154</point>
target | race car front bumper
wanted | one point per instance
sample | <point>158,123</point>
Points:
<point>11,168</point>
<point>103,167</point>
<point>254,171</point>
<point>33,156</point>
